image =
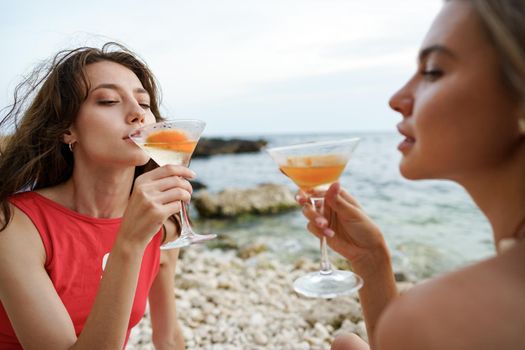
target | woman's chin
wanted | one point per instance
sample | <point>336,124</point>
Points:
<point>409,171</point>
<point>142,161</point>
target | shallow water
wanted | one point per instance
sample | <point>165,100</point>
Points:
<point>431,226</point>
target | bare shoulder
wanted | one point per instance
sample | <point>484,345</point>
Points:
<point>25,282</point>
<point>478,307</point>
<point>21,249</point>
<point>20,239</point>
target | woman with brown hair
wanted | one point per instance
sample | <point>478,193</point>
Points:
<point>83,209</point>
<point>463,119</point>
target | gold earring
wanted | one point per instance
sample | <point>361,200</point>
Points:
<point>521,125</point>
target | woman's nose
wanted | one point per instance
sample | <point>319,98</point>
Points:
<point>137,115</point>
<point>402,102</point>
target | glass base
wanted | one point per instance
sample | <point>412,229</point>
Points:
<point>328,285</point>
<point>186,240</point>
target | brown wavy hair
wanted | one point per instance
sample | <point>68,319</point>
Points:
<point>45,105</point>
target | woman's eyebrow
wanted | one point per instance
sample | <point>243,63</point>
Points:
<point>139,90</point>
<point>106,86</point>
<point>424,53</point>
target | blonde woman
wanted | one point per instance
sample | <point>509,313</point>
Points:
<point>463,119</point>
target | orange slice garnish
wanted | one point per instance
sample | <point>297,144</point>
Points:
<point>176,140</point>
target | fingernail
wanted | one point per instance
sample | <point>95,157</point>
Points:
<point>321,222</point>
<point>193,174</point>
<point>337,187</point>
<point>329,232</point>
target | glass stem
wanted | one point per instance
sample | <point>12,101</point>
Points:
<point>326,267</point>
<point>185,228</point>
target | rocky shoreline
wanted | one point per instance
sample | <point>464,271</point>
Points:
<point>225,302</point>
<point>213,146</point>
<point>263,199</point>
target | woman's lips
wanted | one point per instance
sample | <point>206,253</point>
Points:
<point>128,139</point>
<point>406,144</point>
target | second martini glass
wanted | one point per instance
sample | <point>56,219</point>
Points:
<point>173,142</point>
<point>313,167</point>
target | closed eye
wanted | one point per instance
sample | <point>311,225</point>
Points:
<point>108,102</point>
<point>432,74</point>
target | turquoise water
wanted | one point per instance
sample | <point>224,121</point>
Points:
<point>431,226</point>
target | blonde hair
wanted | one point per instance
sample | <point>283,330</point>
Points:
<point>504,21</point>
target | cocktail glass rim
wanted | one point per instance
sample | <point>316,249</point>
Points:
<point>312,143</point>
<point>166,121</point>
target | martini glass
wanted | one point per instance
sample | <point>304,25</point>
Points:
<point>173,142</point>
<point>313,167</point>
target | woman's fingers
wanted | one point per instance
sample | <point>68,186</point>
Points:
<point>341,202</point>
<point>171,170</point>
<point>174,194</point>
<point>335,190</point>
<point>347,197</point>
<point>170,182</point>
<point>167,184</point>
<point>314,216</point>
<point>301,198</point>
<point>309,212</point>
<point>320,232</point>
<point>317,222</point>
<point>173,207</point>
<point>314,229</point>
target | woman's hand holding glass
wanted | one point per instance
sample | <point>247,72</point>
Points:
<point>156,196</point>
<point>348,229</point>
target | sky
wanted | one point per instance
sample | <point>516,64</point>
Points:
<point>245,67</point>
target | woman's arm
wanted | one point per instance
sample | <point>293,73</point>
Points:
<point>167,333</point>
<point>37,314</point>
<point>351,233</point>
<point>379,288</point>
<point>34,308</point>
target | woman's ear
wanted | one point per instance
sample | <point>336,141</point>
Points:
<point>68,137</point>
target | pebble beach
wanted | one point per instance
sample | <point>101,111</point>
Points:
<point>227,299</point>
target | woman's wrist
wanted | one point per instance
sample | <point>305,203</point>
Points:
<point>128,248</point>
<point>375,261</point>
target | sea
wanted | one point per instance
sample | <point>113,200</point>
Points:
<point>430,226</point>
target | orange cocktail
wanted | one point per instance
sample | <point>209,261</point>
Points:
<point>310,172</point>
<point>170,146</point>
<point>175,140</point>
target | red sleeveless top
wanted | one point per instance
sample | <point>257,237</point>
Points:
<point>76,252</point>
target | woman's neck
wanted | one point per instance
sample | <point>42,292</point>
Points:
<point>100,193</point>
<point>500,194</point>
